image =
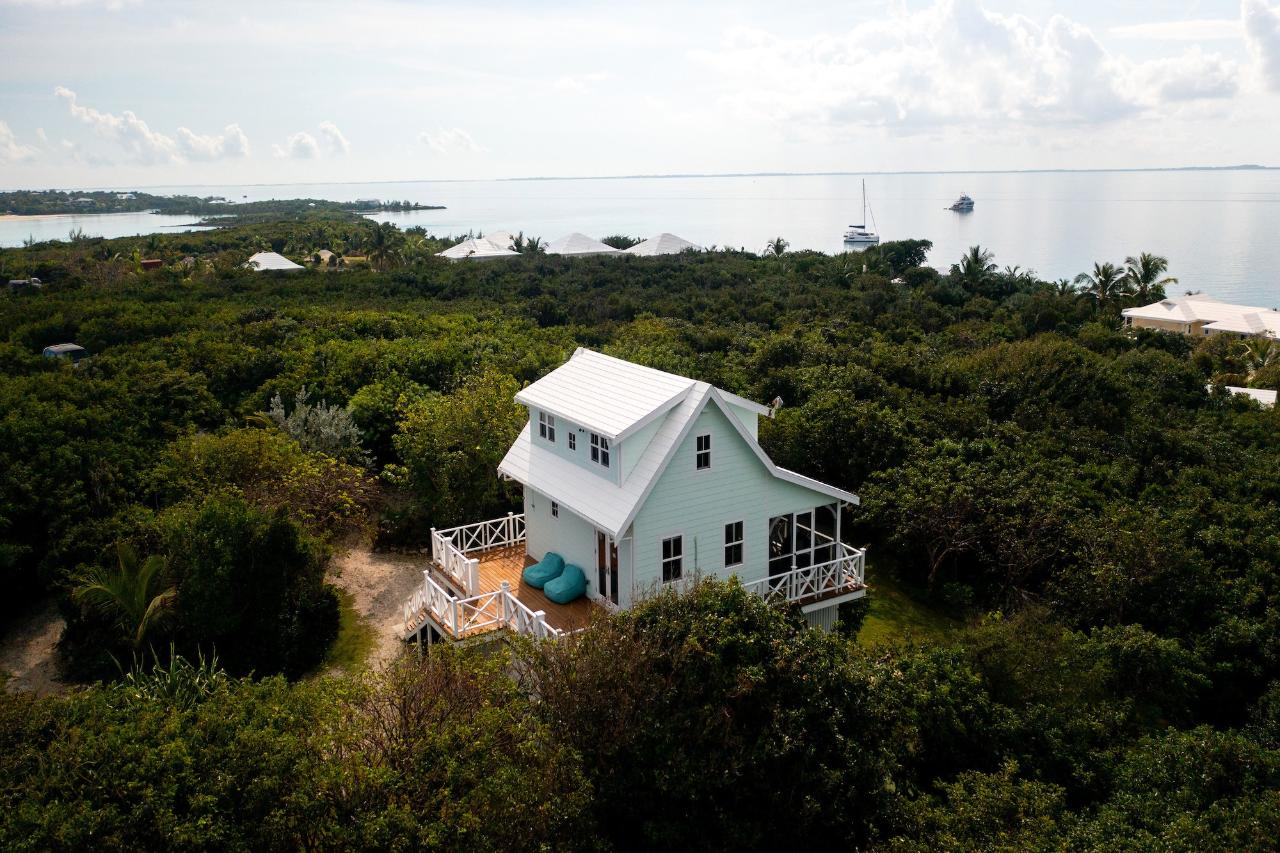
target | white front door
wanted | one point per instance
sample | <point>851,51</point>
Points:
<point>607,568</point>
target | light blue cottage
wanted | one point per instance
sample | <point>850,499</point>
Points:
<point>644,478</point>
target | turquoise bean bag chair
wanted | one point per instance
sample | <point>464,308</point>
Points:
<point>571,584</point>
<point>546,569</point>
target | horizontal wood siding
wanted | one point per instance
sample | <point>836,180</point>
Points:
<point>570,536</point>
<point>697,505</point>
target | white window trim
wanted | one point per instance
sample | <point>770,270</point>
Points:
<point>573,440</point>
<point>697,454</point>
<point>547,427</point>
<point>662,540</point>
<point>741,543</point>
<point>555,509</point>
<point>601,449</point>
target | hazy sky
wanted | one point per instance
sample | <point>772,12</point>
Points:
<point>152,93</point>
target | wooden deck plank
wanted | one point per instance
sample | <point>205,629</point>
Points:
<point>506,564</point>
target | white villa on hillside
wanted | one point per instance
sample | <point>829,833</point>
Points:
<point>643,479</point>
<point>1199,314</point>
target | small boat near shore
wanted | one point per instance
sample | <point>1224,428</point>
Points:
<point>964,204</point>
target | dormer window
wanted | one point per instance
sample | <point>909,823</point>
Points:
<point>703,456</point>
<point>547,426</point>
<point>600,450</point>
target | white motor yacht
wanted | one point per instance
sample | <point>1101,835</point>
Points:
<point>964,204</point>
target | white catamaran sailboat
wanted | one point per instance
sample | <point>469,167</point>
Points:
<point>860,235</point>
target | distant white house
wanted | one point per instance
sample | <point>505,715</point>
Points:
<point>580,245</point>
<point>663,244</point>
<point>263,261</point>
<point>71,352</point>
<point>477,249</point>
<point>644,480</point>
<point>1199,314</point>
<point>1265,398</point>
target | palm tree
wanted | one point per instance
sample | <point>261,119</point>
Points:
<point>976,265</point>
<point>135,596</point>
<point>1105,284</point>
<point>384,246</point>
<point>1064,287</point>
<point>1252,354</point>
<point>529,245</point>
<point>1144,275</point>
<point>776,247</point>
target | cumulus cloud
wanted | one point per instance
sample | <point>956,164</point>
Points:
<point>306,146</point>
<point>147,146</point>
<point>11,150</point>
<point>333,139</point>
<point>452,140</point>
<point>300,146</point>
<point>230,144</point>
<point>1262,33</point>
<point>952,63</point>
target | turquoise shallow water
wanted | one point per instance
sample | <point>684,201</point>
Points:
<point>1219,229</point>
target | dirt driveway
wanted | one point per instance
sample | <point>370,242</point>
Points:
<point>379,584</point>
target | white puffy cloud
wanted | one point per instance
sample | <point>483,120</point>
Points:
<point>143,144</point>
<point>300,146</point>
<point>1262,33</point>
<point>452,140</point>
<point>11,150</point>
<point>147,146</point>
<point>230,144</point>
<point>951,64</point>
<point>333,139</point>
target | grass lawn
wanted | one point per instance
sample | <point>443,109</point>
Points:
<point>355,640</point>
<point>895,613</point>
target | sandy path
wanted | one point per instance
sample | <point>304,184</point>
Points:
<point>379,584</point>
<point>28,651</point>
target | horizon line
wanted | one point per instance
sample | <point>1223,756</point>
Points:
<point>678,175</point>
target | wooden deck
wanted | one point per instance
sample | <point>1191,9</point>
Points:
<point>506,564</point>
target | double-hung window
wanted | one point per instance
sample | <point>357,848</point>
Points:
<point>672,559</point>
<point>733,544</point>
<point>600,450</point>
<point>573,439</point>
<point>704,452</point>
<point>555,510</point>
<point>547,426</point>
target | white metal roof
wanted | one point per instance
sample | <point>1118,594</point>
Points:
<point>271,261</point>
<point>606,394</point>
<point>612,507</point>
<point>663,244</point>
<point>503,238</point>
<point>477,249</point>
<point>579,244</point>
<point>1264,396</point>
<point>1217,316</point>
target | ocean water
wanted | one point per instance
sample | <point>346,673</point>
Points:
<point>1220,230</point>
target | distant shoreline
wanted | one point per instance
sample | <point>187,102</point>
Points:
<point>1242,167</point>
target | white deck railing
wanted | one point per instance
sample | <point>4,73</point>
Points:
<point>450,548</point>
<point>846,573</point>
<point>477,612</point>
<point>462,617</point>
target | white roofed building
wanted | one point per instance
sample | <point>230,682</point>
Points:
<point>579,245</point>
<point>643,479</point>
<point>663,244</point>
<point>1199,314</point>
<point>263,261</point>
<point>477,249</point>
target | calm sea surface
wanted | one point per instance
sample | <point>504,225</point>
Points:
<point>1220,230</point>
